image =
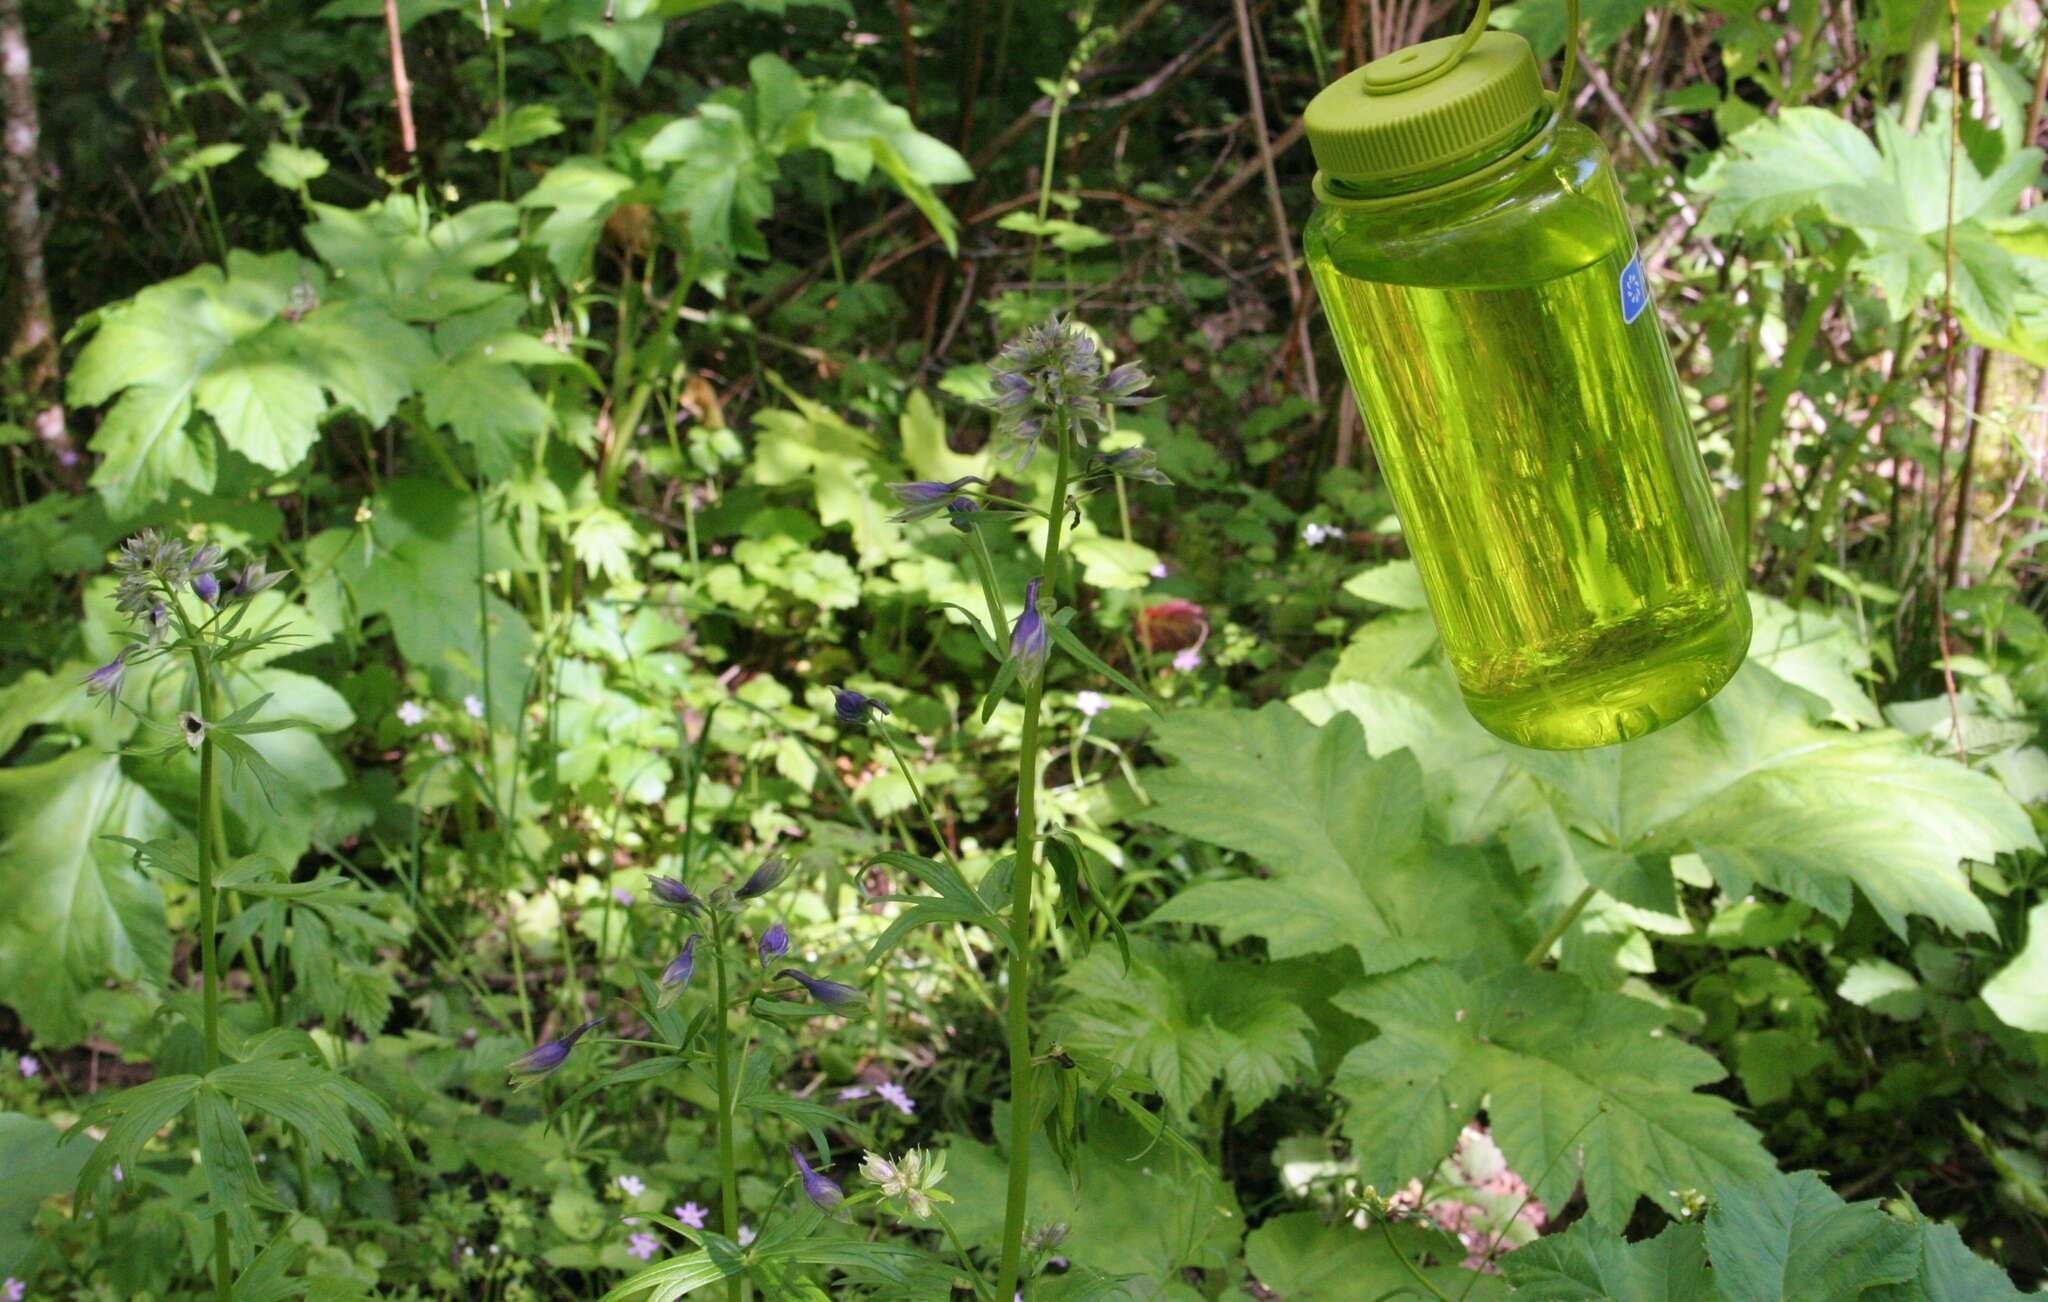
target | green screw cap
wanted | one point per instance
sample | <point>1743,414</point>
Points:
<point>1424,108</point>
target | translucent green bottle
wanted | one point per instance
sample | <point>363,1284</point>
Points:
<point>1480,276</point>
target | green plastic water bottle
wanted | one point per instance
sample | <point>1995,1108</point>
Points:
<point>1481,278</point>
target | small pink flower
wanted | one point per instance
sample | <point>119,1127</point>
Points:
<point>895,1096</point>
<point>852,1092</point>
<point>30,1067</point>
<point>746,1234</point>
<point>632,1185</point>
<point>643,1246</point>
<point>1188,661</point>
<point>691,1215</point>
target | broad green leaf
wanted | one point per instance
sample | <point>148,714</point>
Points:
<point>368,359</point>
<point>1556,1065</point>
<point>1396,584</point>
<point>78,912</point>
<point>2019,992</point>
<point>815,447</point>
<point>1816,651</point>
<point>1883,987</point>
<point>417,563</point>
<point>1299,1255</point>
<point>1790,1238</point>
<point>130,1118</point>
<point>1066,236</point>
<point>1542,23</point>
<point>1585,1264</point>
<point>861,131</point>
<point>37,1167</point>
<point>583,192</point>
<point>1948,1272</point>
<point>723,180</point>
<point>522,126</point>
<point>1785,165</point>
<point>1186,1019</point>
<point>629,31</point>
<point>394,253</point>
<point>264,398</point>
<point>925,450</point>
<point>291,166</point>
<point>1342,835</point>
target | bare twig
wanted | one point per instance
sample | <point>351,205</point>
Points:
<point>1948,363</point>
<point>1256,95</point>
<point>400,85</point>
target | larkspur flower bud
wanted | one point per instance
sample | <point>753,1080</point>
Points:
<point>766,878</point>
<point>675,979</point>
<point>852,709</point>
<point>1133,463</point>
<point>253,579</point>
<point>960,513</point>
<point>670,893</point>
<point>824,1193</point>
<point>544,1059</point>
<point>206,588</point>
<point>194,728</point>
<point>927,497</point>
<point>1029,641</point>
<point>830,993</point>
<point>774,943</point>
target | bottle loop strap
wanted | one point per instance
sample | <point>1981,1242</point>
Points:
<point>1389,84</point>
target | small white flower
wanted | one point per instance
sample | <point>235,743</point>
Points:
<point>1188,661</point>
<point>1159,570</point>
<point>632,1185</point>
<point>473,706</point>
<point>1315,535</point>
<point>411,713</point>
<point>1090,703</point>
<point>746,1235</point>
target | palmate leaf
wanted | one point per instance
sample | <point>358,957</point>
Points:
<point>840,464</point>
<point>1342,834</point>
<point>1186,1020</point>
<point>1546,1055</point>
<point>583,193</point>
<point>78,911</point>
<point>1299,1255</point>
<point>1791,1239</point>
<point>130,1120</point>
<point>1585,1264</point>
<point>394,254</point>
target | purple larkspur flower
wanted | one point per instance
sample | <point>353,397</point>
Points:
<point>896,1097</point>
<point>1029,641</point>
<point>544,1059</point>
<point>927,497</point>
<point>774,943</point>
<point>671,893</point>
<point>832,994</point>
<point>206,588</point>
<point>692,1215</point>
<point>766,878</point>
<point>852,709</point>
<point>252,579</point>
<point>106,680</point>
<point>824,1193</point>
<point>675,978</point>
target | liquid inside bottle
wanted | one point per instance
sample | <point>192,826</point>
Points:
<point>1527,416</point>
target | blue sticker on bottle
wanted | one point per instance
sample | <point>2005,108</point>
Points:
<point>1635,291</point>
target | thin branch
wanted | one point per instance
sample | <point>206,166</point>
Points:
<point>401,86</point>
<point>1281,229</point>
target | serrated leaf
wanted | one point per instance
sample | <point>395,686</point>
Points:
<point>2019,992</point>
<point>522,126</point>
<point>291,166</point>
<point>1187,1020</point>
<point>1341,833</point>
<point>1299,1255</point>
<point>1585,1264</point>
<point>131,1119</point>
<point>394,254</point>
<point>1790,1239</point>
<point>79,913</point>
<point>1555,1064</point>
<point>38,1165</point>
<point>583,192</point>
<point>368,359</point>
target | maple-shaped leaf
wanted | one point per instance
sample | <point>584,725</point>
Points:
<point>1586,1264</point>
<point>1576,1083</point>
<point>1186,1019</point>
<point>1341,835</point>
<point>1792,1239</point>
<point>394,254</point>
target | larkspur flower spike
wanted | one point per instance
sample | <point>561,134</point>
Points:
<point>1029,641</point>
<point>853,709</point>
<point>1141,464</point>
<point>1054,371</point>
<point>927,497</point>
<point>824,1192</point>
<point>544,1059</point>
<point>672,894</point>
<point>830,993</point>
<point>766,878</point>
<point>675,979</point>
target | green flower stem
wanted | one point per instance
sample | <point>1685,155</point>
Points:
<point>1535,957</point>
<point>728,1175</point>
<point>991,591</point>
<point>209,850</point>
<point>1022,880</point>
<point>916,793</point>
<point>1402,1257</point>
<point>966,1262</point>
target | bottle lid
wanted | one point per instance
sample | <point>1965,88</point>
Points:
<point>1425,108</point>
